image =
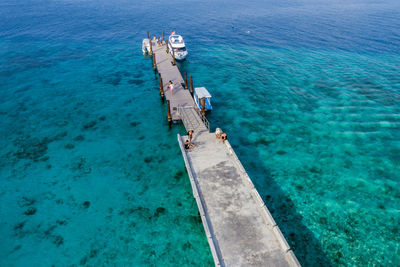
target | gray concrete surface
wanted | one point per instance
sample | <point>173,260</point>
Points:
<point>239,228</point>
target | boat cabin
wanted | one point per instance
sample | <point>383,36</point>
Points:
<point>177,47</point>
<point>202,96</point>
<point>176,40</point>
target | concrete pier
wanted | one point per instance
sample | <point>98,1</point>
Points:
<point>238,225</point>
<point>239,228</point>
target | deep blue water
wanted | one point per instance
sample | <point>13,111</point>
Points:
<point>91,174</point>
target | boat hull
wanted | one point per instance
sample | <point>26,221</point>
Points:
<point>146,46</point>
<point>208,106</point>
<point>180,56</point>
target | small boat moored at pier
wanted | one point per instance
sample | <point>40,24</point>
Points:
<point>146,46</point>
<point>201,95</point>
<point>176,46</point>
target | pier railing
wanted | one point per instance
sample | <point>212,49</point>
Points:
<point>203,118</point>
<point>192,118</point>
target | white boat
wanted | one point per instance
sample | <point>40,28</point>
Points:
<point>146,46</point>
<point>199,94</point>
<point>176,46</point>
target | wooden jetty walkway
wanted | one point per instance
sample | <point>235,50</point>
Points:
<point>239,228</point>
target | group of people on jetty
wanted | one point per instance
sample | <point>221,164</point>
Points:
<point>221,136</point>
<point>160,42</point>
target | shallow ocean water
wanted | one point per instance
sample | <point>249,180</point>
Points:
<point>92,175</point>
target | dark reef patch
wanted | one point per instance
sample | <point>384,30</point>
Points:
<point>32,149</point>
<point>135,123</point>
<point>195,219</point>
<point>57,240</point>
<point>50,230</point>
<point>115,78</point>
<point>299,187</point>
<point>178,175</point>
<point>187,245</point>
<point>148,159</point>
<point>135,81</point>
<point>35,148</point>
<point>80,165</point>
<point>69,146</point>
<point>83,261</point>
<point>19,226</point>
<point>45,158</point>
<point>86,204</point>
<point>60,136</point>
<point>102,118</point>
<point>264,141</point>
<point>93,253</point>
<point>17,247</point>
<point>159,211</point>
<point>140,211</point>
<point>89,125</point>
<point>61,222</point>
<point>315,170</point>
<point>30,211</point>
<point>25,201</point>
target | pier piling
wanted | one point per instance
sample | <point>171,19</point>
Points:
<point>162,36</point>
<point>151,48</point>
<point>169,113</point>
<point>161,86</point>
<point>203,106</point>
<point>154,63</point>
<point>173,57</point>
<point>148,35</point>
<point>191,85</point>
<point>186,81</point>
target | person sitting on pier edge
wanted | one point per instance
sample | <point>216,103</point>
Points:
<point>188,145</point>
<point>224,137</point>
<point>218,132</point>
<point>190,136</point>
<point>171,87</point>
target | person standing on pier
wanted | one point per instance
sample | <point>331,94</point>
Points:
<point>171,87</point>
<point>190,136</point>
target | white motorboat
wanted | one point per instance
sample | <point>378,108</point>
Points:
<point>177,47</point>
<point>146,46</point>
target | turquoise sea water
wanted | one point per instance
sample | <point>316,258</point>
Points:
<point>92,175</point>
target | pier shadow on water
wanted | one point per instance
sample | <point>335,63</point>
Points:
<point>301,240</point>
